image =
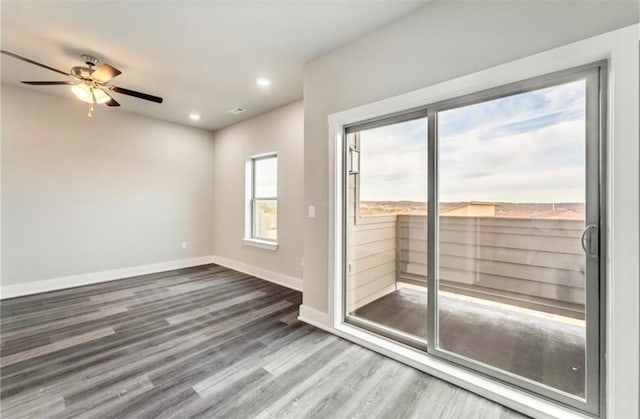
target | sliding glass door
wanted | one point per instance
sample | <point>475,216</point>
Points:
<point>473,231</point>
<point>386,209</point>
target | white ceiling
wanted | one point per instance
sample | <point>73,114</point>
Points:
<point>200,56</point>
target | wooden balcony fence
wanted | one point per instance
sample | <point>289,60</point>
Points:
<point>526,262</point>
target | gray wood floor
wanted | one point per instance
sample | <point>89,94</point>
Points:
<point>201,342</point>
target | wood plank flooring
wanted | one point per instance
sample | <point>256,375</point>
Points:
<point>202,342</point>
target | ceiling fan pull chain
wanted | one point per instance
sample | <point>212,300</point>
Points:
<point>93,97</point>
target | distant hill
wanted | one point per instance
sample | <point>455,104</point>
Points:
<point>568,210</point>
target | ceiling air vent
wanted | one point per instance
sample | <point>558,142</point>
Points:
<point>237,110</point>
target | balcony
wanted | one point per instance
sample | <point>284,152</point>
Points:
<point>511,291</point>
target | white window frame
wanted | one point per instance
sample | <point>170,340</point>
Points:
<point>620,47</point>
<point>250,198</point>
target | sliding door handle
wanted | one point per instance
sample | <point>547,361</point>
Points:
<point>354,160</point>
<point>589,240</point>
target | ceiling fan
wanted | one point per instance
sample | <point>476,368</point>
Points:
<point>90,84</point>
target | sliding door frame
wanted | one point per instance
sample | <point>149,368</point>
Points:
<point>384,331</point>
<point>596,200</point>
<point>595,206</point>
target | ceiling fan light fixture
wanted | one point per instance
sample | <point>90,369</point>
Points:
<point>101,97</point>
<point>84,93</point>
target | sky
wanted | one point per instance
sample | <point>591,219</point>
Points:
<point>266,177</point>
<point>528,147</point>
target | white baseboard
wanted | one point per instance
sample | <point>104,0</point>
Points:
<point>315,318</point>
<point>267,275</point>
<point>54,284</point>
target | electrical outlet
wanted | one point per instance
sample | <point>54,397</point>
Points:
<point>312,211</point>
<point>185,245</point>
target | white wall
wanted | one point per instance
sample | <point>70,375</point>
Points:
<point>85,195</point>
<point>280,131</point>
<point>439,42</point>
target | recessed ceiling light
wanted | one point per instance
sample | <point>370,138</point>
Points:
<point>194,117</point>
<point>263,82</point>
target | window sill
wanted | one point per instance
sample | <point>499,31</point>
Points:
<point>262,244</point>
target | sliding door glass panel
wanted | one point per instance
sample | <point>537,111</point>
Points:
<point>512,193</point>
<point>385,223</point>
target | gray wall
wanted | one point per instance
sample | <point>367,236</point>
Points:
<point>84,195</point>
<point>282,131</point>
<point>441,41</point>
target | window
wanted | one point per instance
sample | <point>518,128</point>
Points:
<point>484,210</point>
<point>261,225</point>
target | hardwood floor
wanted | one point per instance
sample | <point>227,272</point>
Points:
<point>201,342</point>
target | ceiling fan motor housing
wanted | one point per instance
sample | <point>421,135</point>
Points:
<point>83,73</point>
<point>90,60</point>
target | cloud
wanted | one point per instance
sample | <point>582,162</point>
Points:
<point>546,165</point>
<point>516,113</point>
<point>394,162</point>
<point>523,148</point>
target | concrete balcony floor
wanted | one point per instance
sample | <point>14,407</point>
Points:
<point>546,348</point>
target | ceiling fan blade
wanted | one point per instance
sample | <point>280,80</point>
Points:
<point>48,83</point>
<point>111,102</point>
<point>11,54</point>
<point>104,73</point>
<point>135,94</point>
